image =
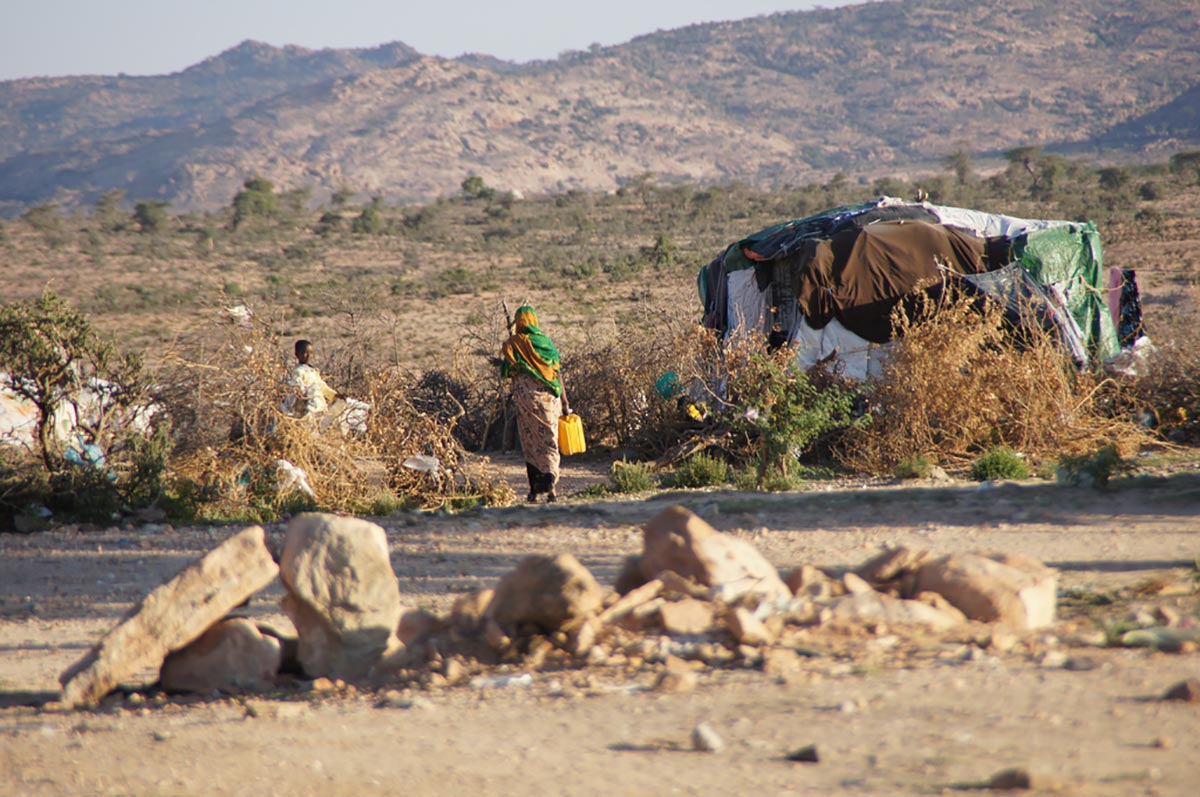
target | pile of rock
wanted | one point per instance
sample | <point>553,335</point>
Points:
<point>691,585</point>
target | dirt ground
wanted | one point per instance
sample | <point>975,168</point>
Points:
<point>890,712</point>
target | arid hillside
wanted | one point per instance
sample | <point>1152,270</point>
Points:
<point>769,101</point>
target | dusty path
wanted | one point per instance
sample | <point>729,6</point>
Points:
<point>890,713</point>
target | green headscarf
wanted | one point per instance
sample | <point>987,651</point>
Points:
<point>529,351</point>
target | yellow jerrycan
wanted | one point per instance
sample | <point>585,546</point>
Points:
<point>570,435</point>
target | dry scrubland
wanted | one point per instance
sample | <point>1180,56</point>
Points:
<point>419,289</point>
<point>405,305</point>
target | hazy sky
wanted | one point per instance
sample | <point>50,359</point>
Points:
<point>150,37</point>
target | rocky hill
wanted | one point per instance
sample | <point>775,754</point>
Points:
<point>879,87</point>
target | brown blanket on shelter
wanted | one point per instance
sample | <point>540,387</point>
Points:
<point>859,276</point>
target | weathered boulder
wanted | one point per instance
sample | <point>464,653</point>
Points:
<point>629,577</point>
<point>469,609</point>
<point>747,629</point>
<point>891,564</point>
<point>876,607</point>
<point>676,539</point>
<point>233,654</point>
<point>1016,591</point>
<point>855,584</point>
<point>342,594</point>
<point>417,625</point>
<point>686,617</point>
<point>172,616</point>
<point>544,594</point>
<point>807,581</point>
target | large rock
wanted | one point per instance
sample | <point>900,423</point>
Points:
<point>172,616</point>
<point>342,594</point>
<point>544,594</point>
<point>233,654</point>
<point>678,540</point>
<point>686,617</point>
<point>1016,591</point>
<point>807,581</point>
<point>891,564</point>
<point>876,607</point>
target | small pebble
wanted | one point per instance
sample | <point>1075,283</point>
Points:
<point>706,740</point>
<point>1187,691</point>
<point>1012,779</point>
<point>805,755</point>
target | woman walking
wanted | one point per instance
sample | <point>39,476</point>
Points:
<point>531,360</point>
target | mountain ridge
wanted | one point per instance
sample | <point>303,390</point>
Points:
<point>770,100</point>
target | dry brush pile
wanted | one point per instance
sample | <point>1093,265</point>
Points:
<point>961,380</point>
<point>243,452</point>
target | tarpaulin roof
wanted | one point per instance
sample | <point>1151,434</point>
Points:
<point>857,262</point>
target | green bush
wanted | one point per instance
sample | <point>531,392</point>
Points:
<point>151,216</point>
<point>83,493</point>
<point>914,466</point>
<point>1000,462</point>
<point>1091,470</point>
<point>148,455</point>
<point>256,200</point>
<point>701,470</point>
<point>475,188</point>
<point>779,409</point>
<point>51,350</point>
<point>370,221</point>
<point>631,477</point>
<point>753,478</point>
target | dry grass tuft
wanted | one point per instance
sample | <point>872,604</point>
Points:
<point>957,384</point>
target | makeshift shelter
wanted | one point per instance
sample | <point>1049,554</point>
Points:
<point>828,284</point>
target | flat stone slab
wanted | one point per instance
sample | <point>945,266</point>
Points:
<point>172,616</point>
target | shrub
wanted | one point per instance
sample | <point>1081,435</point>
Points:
<point>701,470</point>
<point>779,410</point>
<point>914,466</point>
<point>1091,470</point>
<point>631,477</point>
<point>256,200</point>
<point>57,362</point>
<point>753,478</point>
<point>1000,462</point>
<point>151,216</point>
<point>50,350</point>
<point>370,221</point>
<point>475,188</point>
<point>960,380</point>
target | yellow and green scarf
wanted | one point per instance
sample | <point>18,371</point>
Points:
<point>529,351</point>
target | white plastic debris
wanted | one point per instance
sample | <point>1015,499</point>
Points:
<point>240,314</point>
<point>423,462</point>
<point>289,477</point>
<point>484,682</point>
<point>1134,360</point>
<point>707,740</point>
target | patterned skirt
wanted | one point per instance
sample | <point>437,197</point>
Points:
<point>538,411</point>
